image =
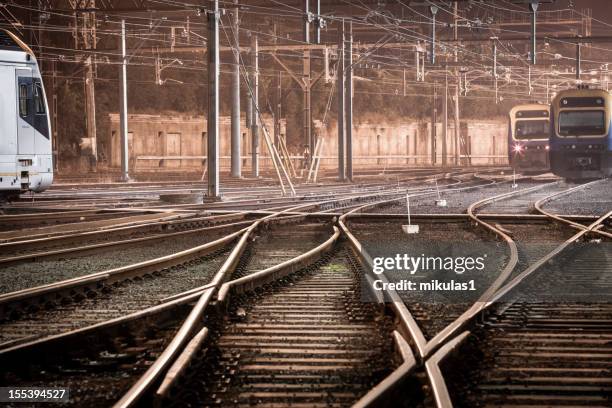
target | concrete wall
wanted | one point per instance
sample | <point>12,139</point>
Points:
<point>411,143</point>
<point>155,139</point>
<point>178,142</point>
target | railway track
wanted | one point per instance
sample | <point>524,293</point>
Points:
<point>306,341</point>
<point>76,336</point>
<point>435,349</point>
<point>551,342</point>
<point>188,351</point>
<point>544,338</point>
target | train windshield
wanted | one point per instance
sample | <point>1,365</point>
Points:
<point>531,129</point>
<point>582,123</point>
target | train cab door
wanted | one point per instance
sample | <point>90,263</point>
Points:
<point>26,134</point>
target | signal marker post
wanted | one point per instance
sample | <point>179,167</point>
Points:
<point>440,202</point>
<point>410,228</point>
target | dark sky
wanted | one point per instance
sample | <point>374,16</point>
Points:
<point>602,9</point>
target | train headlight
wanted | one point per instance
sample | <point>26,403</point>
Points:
<point>573,146</point>
<point>517,148</point>
<point>547,147</point>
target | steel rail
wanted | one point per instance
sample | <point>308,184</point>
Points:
<point>442,336</point>
<point>247,284</point>
<point>426,348</point>
<point>383,390</point>
<point>563,219</point>
<point>76,227</point>
<point>6,241</point>
<point>411,327</point>
<point>29,350</point>
<point>160,367</point>
<point>166,359</point>
<point>193,294</point>
<point>93,248</point>
<point>96,280</point>
<point>77,215</point>
<point>441,340</point>
<point>153,374</point>
<point>54,290</point>
<point>434,373</point>
<point>113,231</point>
<point>484,304</point>
<point>539,204</point>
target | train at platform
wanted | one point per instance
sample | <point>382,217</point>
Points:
<point>26,162</point>
<point>581,134</point>
<point>528,133</point>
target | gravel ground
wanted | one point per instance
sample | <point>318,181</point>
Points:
<point>42,272</point>
<point>457,202</point>
<point>592,200</point>
<point>434,309</point>
<point>100,378</point>
<point>523,203</point>
<point>536,240</point>
<point>119,300</point>
<point>280,244</point>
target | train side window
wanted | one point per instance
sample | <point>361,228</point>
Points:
<point>39,102</point>
<point>23,100</point>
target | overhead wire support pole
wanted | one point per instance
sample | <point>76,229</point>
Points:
<point>349,103</point>
<point>434,12</point>
<point>255,103</point>
<point>340,73</point>
<point>236,162</point>
<point>445,127</point>
<point>533,6</point>
<point>433,126</point>
<point>578,60</point>
<point>212,155</point>
<point>319,23</point>
<point>307,21</point>
<point>123,118</point>
<point>494,70</point>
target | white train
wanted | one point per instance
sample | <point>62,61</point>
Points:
<point>26,162</point>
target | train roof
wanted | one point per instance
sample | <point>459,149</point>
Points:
<point>529,107</point>
<point>577,93</point>
<point>10,42</point>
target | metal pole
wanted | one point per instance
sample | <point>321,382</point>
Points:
<point>307,21</point>
<point>277,115</point>
<point>236,170</point>
<point>433,128</point>
<point>445,127</point>
<point>494,60</point>
<point>578,60</point>
<point>90,107</point>
<point>457,146</point>
<point>341,109</point>
<point>307,102</point>
<point>495,70</point>
<point>533,6</point>
<point>349,103</point>
<point>318,23</point>
<point>434,11</point>
<point>123,118</point>
<point>456,29</point>
<point>417,62</point>
<point>255,101</point>
<point>213,101</point>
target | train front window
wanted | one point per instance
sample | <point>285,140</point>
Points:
<point>531,129</point>
<point>23,100</point>
<point>39,102</point>
<point>582,123</point>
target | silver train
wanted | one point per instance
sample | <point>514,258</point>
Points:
<point>26,162</point>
